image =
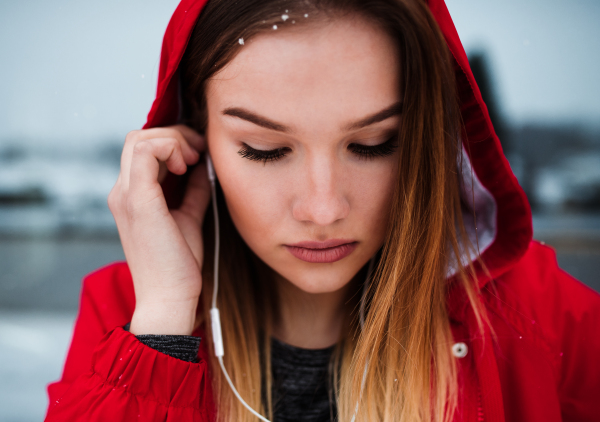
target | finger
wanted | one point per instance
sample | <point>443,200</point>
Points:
<point>116,205</point>
<point>172,155</point>
<point>197,194</point>
<point>190,153</point>
<point>143,178</point>
<point>196,140</point>
<point>190,139</point>
<point>130,140</point>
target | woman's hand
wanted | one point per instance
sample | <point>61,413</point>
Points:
<point>163,247</point>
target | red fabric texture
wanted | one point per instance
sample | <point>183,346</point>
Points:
<point>543,364</point>
<point>110,376</point>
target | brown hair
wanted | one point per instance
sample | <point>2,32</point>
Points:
<point>406,341</point>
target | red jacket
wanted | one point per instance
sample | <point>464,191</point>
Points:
<point>544,366</point>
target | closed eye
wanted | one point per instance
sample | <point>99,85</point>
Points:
<point>262,155</point>
<point>369,152</point>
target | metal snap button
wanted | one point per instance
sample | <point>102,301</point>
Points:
<point>460,350</point>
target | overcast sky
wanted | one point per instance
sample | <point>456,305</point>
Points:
<point>84,72</point>
<point>78,71</point>
<point>545,55</point>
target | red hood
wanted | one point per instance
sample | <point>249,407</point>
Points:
<point>503,213</point>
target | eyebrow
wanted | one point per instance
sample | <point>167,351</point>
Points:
<point>247,115</point>
<point>391,111</point>
<point>241,113</point>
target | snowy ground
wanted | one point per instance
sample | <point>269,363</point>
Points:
<point>32,349</point>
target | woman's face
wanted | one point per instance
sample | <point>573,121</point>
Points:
<point>302,128</point>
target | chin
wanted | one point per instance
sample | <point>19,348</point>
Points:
<point>316,281</point>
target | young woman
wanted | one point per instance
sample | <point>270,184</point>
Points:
<point>375,259</point>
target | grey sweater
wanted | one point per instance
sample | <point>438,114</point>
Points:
<point>301,377</point>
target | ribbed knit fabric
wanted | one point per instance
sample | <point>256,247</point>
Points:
<point>180,347</point>
<point>301,388</point>
<point>300,384</point>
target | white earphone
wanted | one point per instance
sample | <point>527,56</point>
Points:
<point>214,311</point>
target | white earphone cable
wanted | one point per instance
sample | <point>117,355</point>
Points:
<point>246,405</point>
<point>214,311</point>
<point>213,188</point>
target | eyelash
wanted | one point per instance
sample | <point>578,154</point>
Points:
<point>367,152</point>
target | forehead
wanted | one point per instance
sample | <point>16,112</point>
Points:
<point>341,68</point>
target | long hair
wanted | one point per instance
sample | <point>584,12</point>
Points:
<point>405,344</point>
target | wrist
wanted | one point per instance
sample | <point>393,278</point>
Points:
<point>164,319</point>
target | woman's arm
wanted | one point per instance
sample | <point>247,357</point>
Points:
<point>109,373</point>
<point>163,246</point>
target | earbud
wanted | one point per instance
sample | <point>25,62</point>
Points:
<point>210,168</point>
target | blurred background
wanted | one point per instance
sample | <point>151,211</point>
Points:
<point>76,76</point>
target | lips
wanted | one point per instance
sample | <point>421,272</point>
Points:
<point>322,252</point>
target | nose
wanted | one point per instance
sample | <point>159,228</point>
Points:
<point>321,199</point>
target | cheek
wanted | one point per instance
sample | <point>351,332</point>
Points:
<point>260,202</point>
<point>372,196</point>
<point>257,204</point>
<point>256,209</point>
